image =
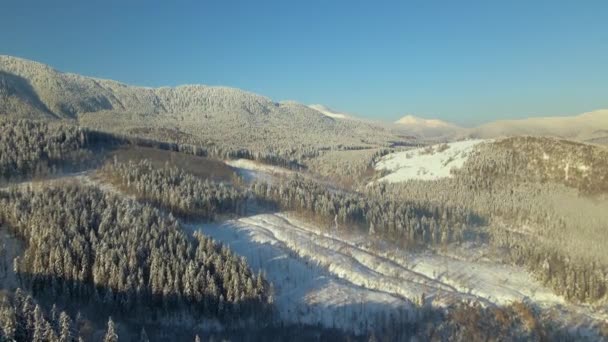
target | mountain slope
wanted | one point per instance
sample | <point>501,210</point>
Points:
<point>591,127</point>
<point>189,114</point>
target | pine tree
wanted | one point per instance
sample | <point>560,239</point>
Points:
<point>66,329</point>
<point>8,321</point>
<point>111,334</point>
<point>143,336</point>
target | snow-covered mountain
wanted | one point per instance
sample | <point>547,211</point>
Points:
<point>587,127</point>
<point>591,126</point>
<point>190,113</point>
<point>426,128</point>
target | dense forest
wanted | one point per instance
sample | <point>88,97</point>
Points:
<point>40,148</point>
<point>539,160</point>
<point>30,148</point>
<point>169,187</point>
<point>190,196</point>
<point>99,248</point>
<point>407,222</point>
<point>23,319</point>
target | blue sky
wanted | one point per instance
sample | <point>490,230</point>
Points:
<point>462,61</point>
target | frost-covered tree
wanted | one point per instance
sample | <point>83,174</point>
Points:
<point>111,334</point>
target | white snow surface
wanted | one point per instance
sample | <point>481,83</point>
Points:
<point>305,290</point>
<point>343,282</point>
<point>251,170</point>
<point>421,163</point>
<point>329,112</point>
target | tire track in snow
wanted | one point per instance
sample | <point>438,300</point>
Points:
<point>354,267</point>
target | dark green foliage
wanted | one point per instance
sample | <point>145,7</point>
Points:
<point>22,319</point>
<point>30,148</point>
<point>173,189</point>
<point>406,221</point>
<point>90,246</point>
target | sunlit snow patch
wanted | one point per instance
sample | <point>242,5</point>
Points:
<point>426,163</point>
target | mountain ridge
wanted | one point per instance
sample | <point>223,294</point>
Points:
<point>212,115</point>
<point>427,128</point>
<point>589,126</point>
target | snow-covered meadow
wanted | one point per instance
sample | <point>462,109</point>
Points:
<point>426,163</point>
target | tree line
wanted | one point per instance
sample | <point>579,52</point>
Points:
<point>409,222</point>
<point>39,148</point>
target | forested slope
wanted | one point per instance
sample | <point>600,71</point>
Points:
<point>98,248</point>
<point>542,198</point>
<point>179,192</point>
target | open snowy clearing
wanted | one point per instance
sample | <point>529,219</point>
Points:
<point>305,292</point>
<point>250,170</point>
<point>251,165</point>
<point>309,269</point>
<point>426,163</point>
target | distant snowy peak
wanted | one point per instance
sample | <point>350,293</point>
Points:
<point>330,112</point>
<point>426,128</point>
<point>590,127</point>
<point>421,122</point>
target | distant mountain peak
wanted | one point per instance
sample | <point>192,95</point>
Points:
<point>418,121</point>
<point>426,128</point>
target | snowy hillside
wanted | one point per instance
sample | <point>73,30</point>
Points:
<point>329,112</point>
<point>305,291</point>
<point>426,163</point>
<point>344,282</point>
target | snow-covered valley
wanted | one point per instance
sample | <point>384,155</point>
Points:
<point>325,278</point>
<point>357,283</point>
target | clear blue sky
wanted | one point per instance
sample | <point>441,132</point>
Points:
<point>462,61</point>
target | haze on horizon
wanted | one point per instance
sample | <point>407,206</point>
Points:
<point>463,63</point>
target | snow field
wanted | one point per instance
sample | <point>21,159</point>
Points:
<point>426,163</point>
<point>304,291</point>
<point>345,283</point>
